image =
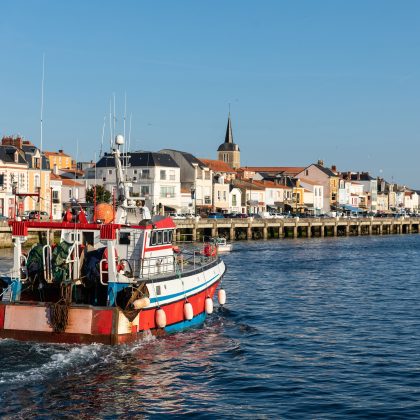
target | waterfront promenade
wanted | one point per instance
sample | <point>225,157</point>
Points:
<point>254,229</point>
<point>238,229</point>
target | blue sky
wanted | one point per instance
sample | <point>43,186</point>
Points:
<point>306,80</point>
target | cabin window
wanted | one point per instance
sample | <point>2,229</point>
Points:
<point>165,237</point>
<point>170,233</point>
<point>124,238</point>
<point>153,238</point>
<point>158,292</point>
<point>159,237</point>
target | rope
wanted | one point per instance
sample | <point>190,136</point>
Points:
<point>59,311</point>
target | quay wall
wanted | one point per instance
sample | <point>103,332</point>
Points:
<point>254,229</point>
<point>249,229</point>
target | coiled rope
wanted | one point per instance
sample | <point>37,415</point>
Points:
<point>59,311</point>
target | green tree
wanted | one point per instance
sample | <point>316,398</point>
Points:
<point>102,195</point>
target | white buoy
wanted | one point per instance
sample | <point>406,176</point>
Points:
<point>209,305</point>
<point>160,318</point>
<point>141,303</point>
<point>188,311</point>
<point>221,296</point>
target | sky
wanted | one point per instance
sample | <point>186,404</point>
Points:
<point>304,80</point>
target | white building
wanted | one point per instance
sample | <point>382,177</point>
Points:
<point>13,179</point>
<point>154,178</point>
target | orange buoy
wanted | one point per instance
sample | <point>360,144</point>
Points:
<point>188,311</point>
<point>104,212</point>
<point>160,318</point>
<point>209,305</point>
<point>141,303</point>
<point>221,296</point>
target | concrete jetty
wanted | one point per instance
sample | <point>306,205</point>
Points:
<point>250,228</point>
<point>237,229</point>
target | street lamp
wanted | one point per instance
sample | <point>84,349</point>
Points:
<point>194,197</point>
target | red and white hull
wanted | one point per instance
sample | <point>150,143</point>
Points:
<point>29,321</point>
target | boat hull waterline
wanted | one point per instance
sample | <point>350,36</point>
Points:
<point>88,324</point>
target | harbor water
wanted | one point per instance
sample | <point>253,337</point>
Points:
<point>319,328</point>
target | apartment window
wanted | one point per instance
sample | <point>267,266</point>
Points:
<point>234,202</point>
<point>135,171</point>
<point>218,195</point>
<point>145,174</point>
<point>162,174</point>
<point>172,175</point>
<point>207,175</point>
<point>70,193</point>
<point>167,192</point>
<point>37,181</point>
<point>144,189</point>
<point>224,195</point>
<point>306,172</point>
<point>134,178</point>
<point>1,179</point>
<point>110,171</point>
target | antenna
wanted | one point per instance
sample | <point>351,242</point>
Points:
<point>125,144</point>
<point>110,125</point>
<point>42,94</point>
<point>102,140</point>
<point>114,119</point>
<point>41,139</point>
<point>129,133</point>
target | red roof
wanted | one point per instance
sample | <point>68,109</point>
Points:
<point>271,184</point>
<point>276,169</point>
<point>218,165</point>
<point>56,154</point>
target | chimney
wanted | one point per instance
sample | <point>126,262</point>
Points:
<point>12,141</point>
<point>334,168</point>
<point>320,162</point>
<point>60,151</point>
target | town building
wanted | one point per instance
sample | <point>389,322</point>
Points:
<point>327,178</point>
<point>154,178</point>
<point>59,159</point>
<point>195,176</point>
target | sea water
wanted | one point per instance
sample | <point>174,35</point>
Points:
<point>312,328</point>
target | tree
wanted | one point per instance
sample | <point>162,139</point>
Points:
<point>102,195</point>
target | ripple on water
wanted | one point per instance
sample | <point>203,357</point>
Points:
<point>312,329</point>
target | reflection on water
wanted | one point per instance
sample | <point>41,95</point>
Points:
<point>321,328</point>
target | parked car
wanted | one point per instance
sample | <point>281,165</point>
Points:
<point>255,215</point>
<point>25,215</point>
<point>215,215</point>
<point>177,216</point>
<point>241,216</point>
<point>38,215</point>
<point>265,215</point>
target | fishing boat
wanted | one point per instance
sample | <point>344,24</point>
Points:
<point>109,280</point>
<point>221,245</point>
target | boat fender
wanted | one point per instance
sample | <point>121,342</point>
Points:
<point>221,296</point>
<point>188,311</point>
<point>160,318</point>
<point>209,305</point>
<point>141,303</point>
<point>207,250</point>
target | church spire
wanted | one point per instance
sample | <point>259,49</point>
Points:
<point>229,136</point>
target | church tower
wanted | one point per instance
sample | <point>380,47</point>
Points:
<point>229,151</point>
